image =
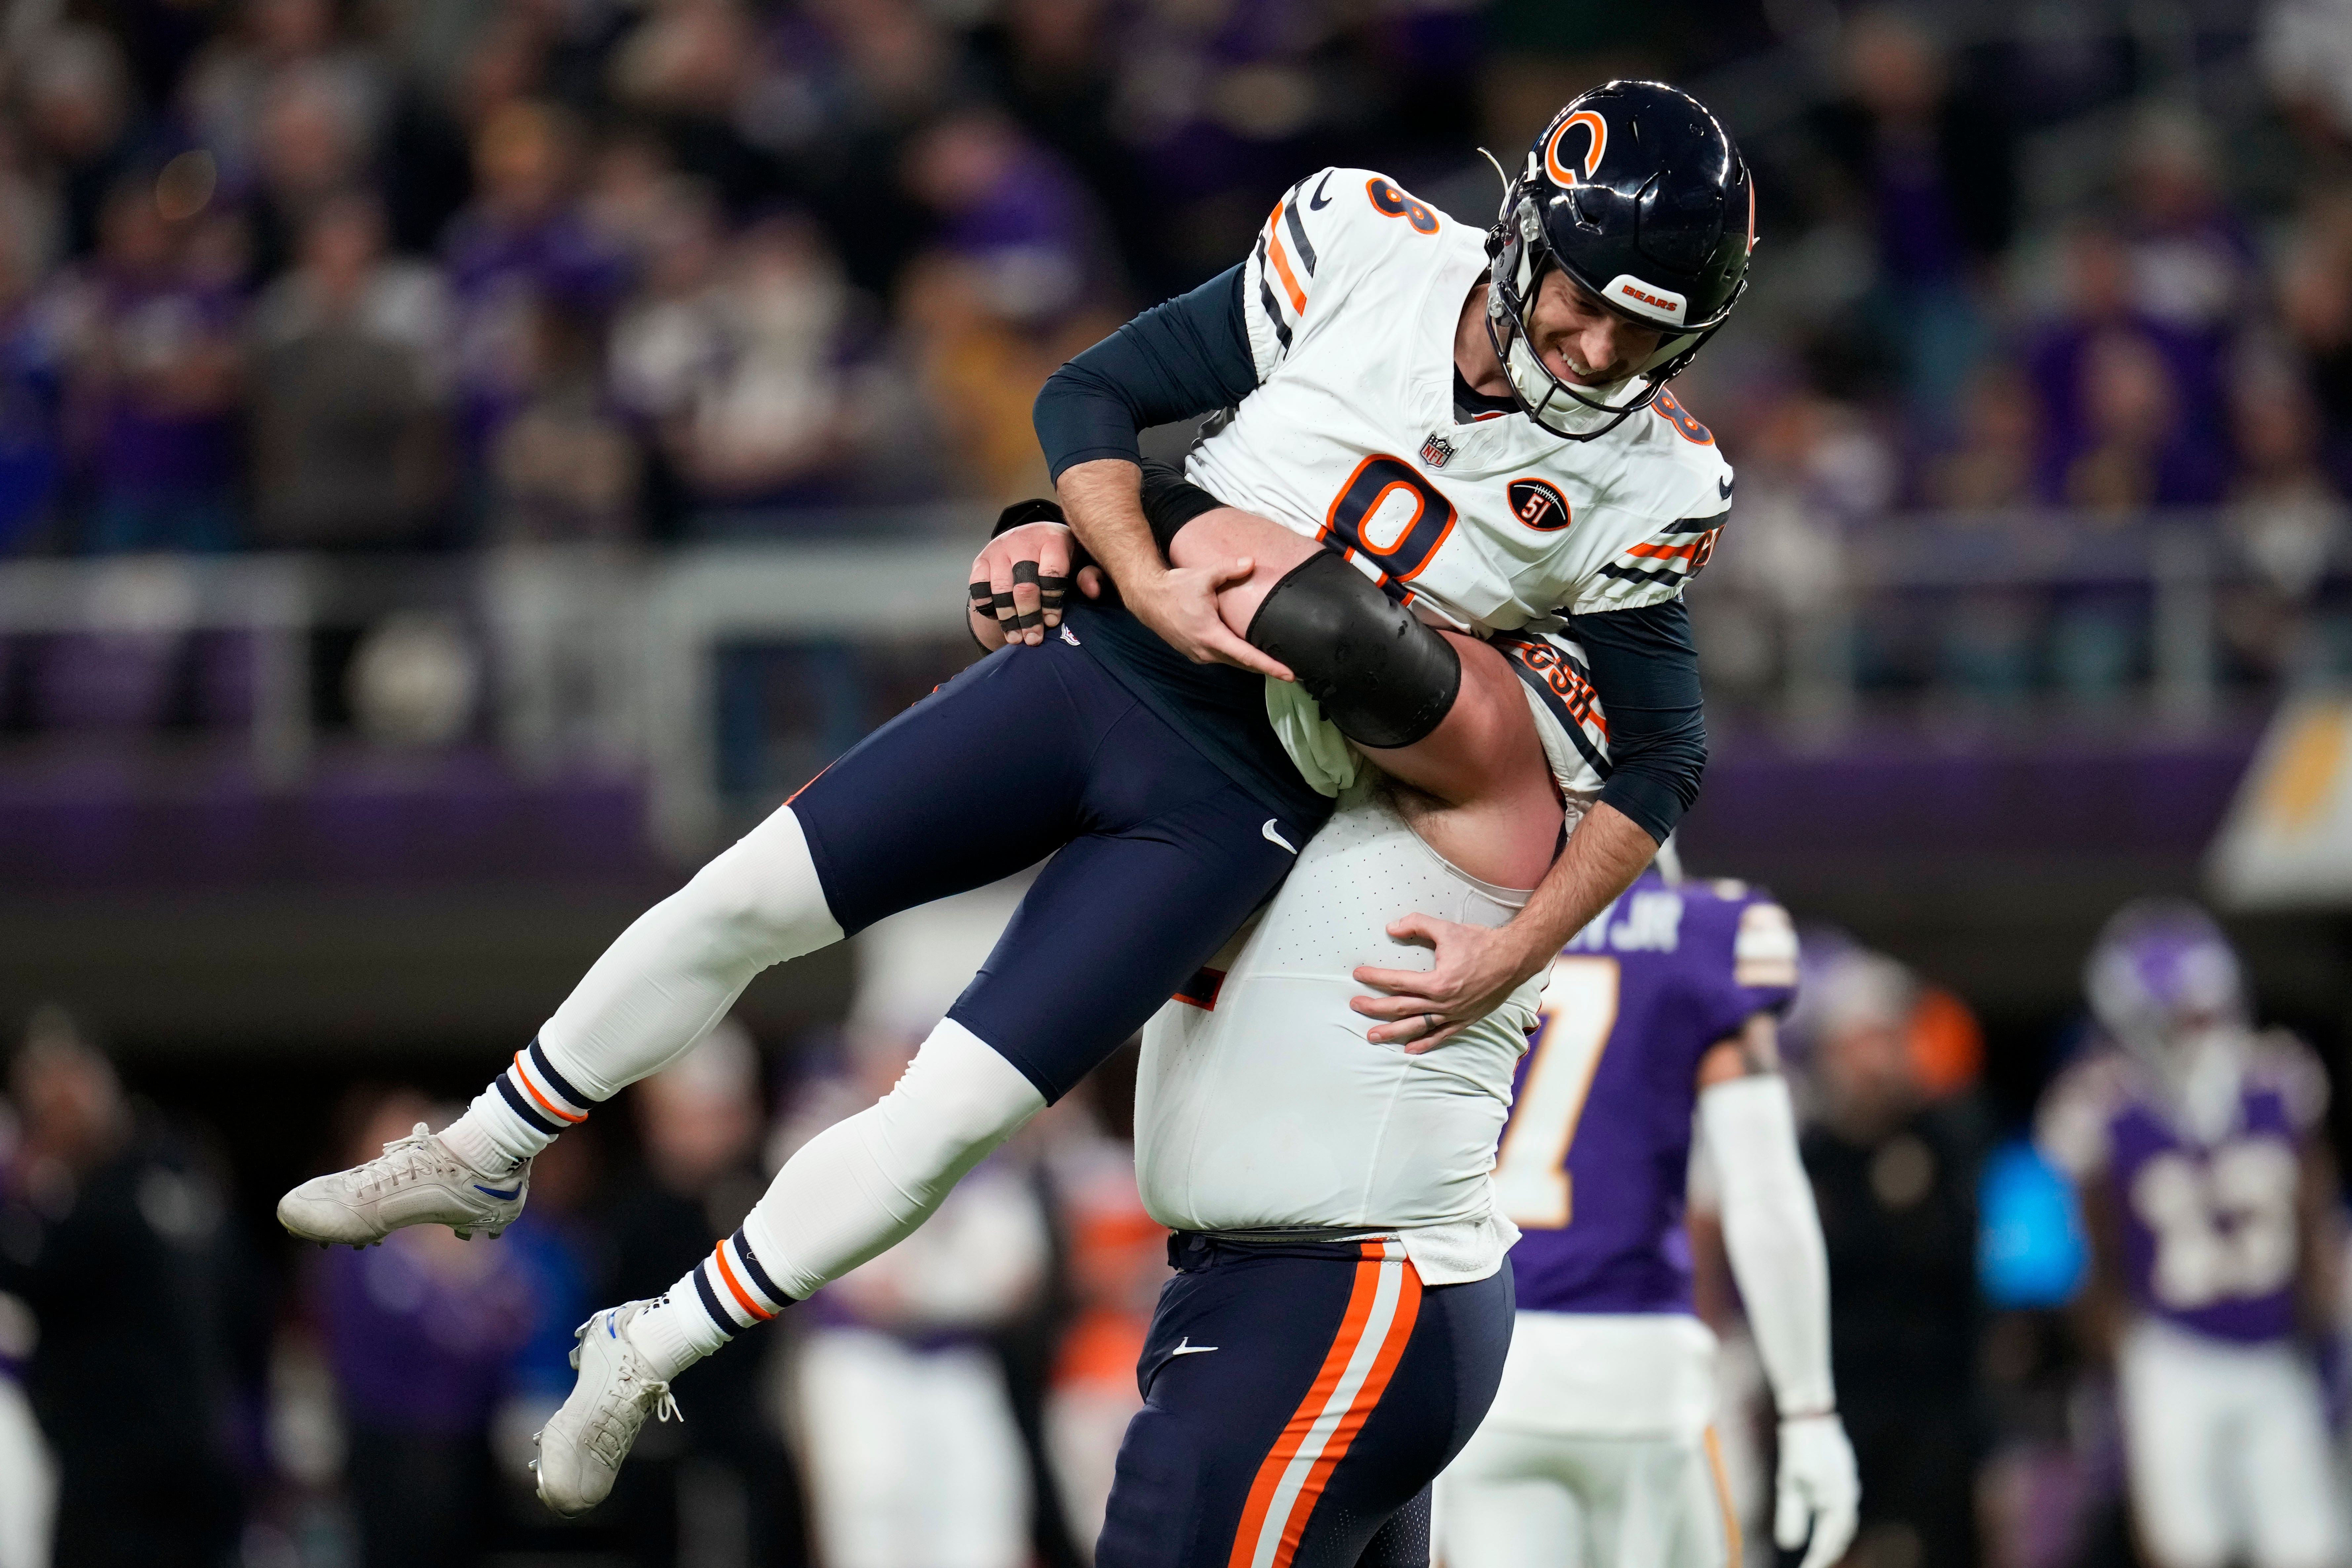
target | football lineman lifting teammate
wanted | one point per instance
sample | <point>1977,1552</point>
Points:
<point>1426,423</point>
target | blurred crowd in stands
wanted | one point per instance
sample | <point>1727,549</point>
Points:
<point>331,273</point>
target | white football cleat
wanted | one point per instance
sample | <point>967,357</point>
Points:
<point>583,1445</point>
<point>417,1180</point>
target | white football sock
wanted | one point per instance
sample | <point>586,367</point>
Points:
<point>659,988</point>
<point>725,1292</point>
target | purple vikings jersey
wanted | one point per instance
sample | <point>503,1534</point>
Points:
<point>1596,1155</point>
<point>2209,1226</point>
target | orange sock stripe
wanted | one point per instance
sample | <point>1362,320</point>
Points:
<point>1391,1351</point>
<point>522,1075</point>
<point>1303,1419</point>
<point>736,1286</point>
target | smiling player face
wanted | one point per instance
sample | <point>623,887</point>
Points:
<point>1581,340</point>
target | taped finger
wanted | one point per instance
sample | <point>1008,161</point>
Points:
<point>1024,575</point>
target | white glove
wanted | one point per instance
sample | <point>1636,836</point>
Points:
<point>1817,1488</point>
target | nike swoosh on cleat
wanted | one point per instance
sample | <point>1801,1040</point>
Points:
<point>1189,1348</point>
<point>507,1196</point>
<point>1274,838</point>
<point>1318,201</point>
<point>1723,489</point>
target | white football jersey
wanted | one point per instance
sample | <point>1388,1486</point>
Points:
<point>1352,294</point>
<point>1260,1103</point>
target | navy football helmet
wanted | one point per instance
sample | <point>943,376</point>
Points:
<point>1639,195</point>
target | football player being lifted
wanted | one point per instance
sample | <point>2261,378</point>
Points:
<point>1437,421</point>
<point>2198,1150</point>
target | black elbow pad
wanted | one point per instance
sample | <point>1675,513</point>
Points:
<point>1383,678</point>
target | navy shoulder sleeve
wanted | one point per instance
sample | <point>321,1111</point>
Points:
<point>1178,360</point>
<point>1645,668</point>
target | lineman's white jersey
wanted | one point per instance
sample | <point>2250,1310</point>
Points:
<point>1352,294</point>
<point>1260,1103</point>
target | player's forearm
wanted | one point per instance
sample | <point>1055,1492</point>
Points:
<point>1103,502</point>
<point>1603,855</point>
<point>1176,361</point>
<point>1772,1234</point>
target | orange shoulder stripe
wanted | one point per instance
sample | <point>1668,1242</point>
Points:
<point>1289,282</point>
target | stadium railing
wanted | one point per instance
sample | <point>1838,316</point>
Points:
<point>636,659</point>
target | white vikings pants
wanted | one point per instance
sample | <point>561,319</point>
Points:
<point>1538,1500</point>
<point>2228,1452</point>
<point>1597,1453</point>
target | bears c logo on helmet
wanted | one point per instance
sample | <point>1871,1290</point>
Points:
<point>1539,504</point>
<point>1561,171</point>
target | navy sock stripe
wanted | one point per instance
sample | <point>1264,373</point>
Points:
<point>524,1109</point>
<point>758,1275</point>
<point>555,1080</point>
<point>727,1325</point>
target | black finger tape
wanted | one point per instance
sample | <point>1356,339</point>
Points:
<point>1024,572</point>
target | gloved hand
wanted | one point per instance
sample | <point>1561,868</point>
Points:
<point>1817,1489</point>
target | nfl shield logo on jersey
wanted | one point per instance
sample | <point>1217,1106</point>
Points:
<point>1437,452</point>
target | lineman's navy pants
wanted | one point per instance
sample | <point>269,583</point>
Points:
<point>1298,1400</point>
<point>1158,855</point>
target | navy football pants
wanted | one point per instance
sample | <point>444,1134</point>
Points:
<point>1157,856</point>
<point>1298,1400</point>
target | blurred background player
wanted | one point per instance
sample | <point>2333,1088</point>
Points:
<point>114,1241</point>
<point>2209,1201</point>
<point>1894,1157</point>
<point>1601,1449</point>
